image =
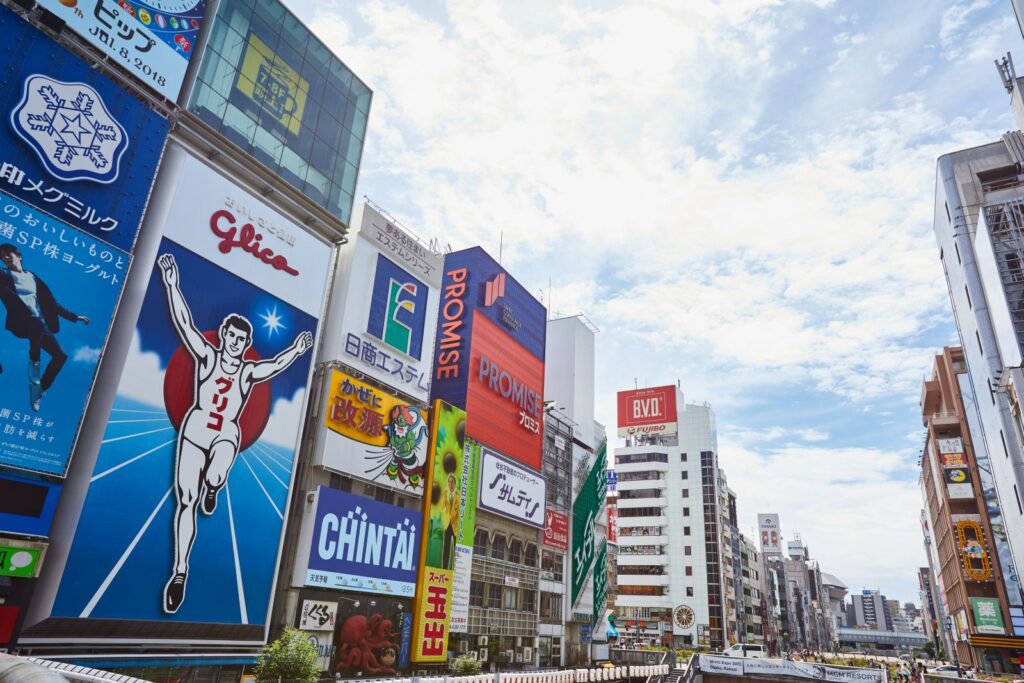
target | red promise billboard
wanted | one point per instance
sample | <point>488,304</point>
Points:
<point>648,411</point>
<point>505,396</point>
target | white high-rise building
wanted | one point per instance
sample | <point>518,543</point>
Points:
<point>669,562</point>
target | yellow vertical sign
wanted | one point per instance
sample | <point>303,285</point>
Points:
<point>273,84</point>
<point>442,503</point>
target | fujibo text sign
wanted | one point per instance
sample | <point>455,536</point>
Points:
<point>648,411</point>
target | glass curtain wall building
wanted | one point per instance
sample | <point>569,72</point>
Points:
<point>271,87</point>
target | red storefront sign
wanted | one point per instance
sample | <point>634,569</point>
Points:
<point>556,530</point>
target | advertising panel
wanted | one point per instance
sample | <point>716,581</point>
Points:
<point>505,398</point>
<point>489,354</point>
<point>613,524</point>
<point>584,517</point>
<point>442,511</point>
<point>185,509</point>
<point>953,459</point>
<point>151,39</point>
<point>268,85</point>
<point>512,491</point>
<point>27,506</point>
<point>973,548</point>
<point>600,583</point>
<point>20,559</point>
<point>771,534</point>
<point>77,159</point>
<point>388,328</point>
<point>556,530</point>
<point>648,411</point>
<point>362,545</point>
<point>988,617</point>
<point>373,638</point>
<point>459,622</point>
<point>318,615</point>
<point>373,435</point>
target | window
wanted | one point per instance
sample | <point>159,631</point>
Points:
<point>991,391</point>
<point>978,337</point>
<point>551,607</point>
<point>1016,494</point>
<point>686,493</point>
<point>688,550</point>
<point>498,547</point>
<point>515,551</point>
<point>550,566</point>
<point>682,457</point>
<point>689,571</point>
<point>531,555</point>
<point>969,305</point>
<point>686,512</point>
<point>1003,439</point>
<point>686,475</point>
<point>956,248</point>
<point>480,542</point>
<point>529,601</point>
<point>476,593</point>
<point>627,458</point>
<point>494,596</point>
<point>511,599</point>
<point>686,531</point>
<point>689,591</point>
<point>640,512</point>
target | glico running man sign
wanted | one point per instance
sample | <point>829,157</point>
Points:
<point>184,514</point>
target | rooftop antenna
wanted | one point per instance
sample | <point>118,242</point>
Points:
<point>1006,72</point>
<point>635,385</point>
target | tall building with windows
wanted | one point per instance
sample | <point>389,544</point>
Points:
<point>979,228</point>
<point>670,562</point>
<point>953,470</point>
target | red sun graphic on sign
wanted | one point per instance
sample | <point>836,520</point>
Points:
<point>179,393</point>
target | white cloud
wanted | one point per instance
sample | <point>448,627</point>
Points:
<point>143,377</point>
<point>86,354</point>
<point>855,508</point>
<point>285,420</point>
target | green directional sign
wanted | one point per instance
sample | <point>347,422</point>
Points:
<point>19,562</point>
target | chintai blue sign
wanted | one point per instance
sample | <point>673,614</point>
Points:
<point>362,545</point>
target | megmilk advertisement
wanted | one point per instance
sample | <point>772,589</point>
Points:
<point>184,513</point>
<point>77,159</point>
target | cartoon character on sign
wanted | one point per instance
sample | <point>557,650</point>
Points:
<point>365,644</point>
<point>209,437</point>
<point>402,459</point>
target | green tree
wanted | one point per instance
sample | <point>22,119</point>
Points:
<point>289,659</point>
<point>466,665</point>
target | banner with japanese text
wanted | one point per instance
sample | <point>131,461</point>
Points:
<point>442,514</point>
<point>374,435</point>
<point>464,544</point>
<point>600,583</point>
<point>585,509</point>
<point>77,160</point>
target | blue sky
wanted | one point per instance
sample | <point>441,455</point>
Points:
<point>739,195</point>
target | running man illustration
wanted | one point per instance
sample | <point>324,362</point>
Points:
<point>209,438</point>
<point>33,313</point>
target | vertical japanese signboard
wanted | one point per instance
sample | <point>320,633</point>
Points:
<point>373,434</point>
<point>77,159</point>
<point>464,547</point>
<point>442,512</point>
<point>185,509</point>
<point>151,39</point>
<point>585,509</point>
<point>391,287</point>
<point>556,530</point>
<point>600,583</point>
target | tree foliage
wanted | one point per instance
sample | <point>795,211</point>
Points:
<point>466,665</point>
<point>289,659</point>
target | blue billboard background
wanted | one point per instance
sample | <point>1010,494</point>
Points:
<point>110,209</point>
<point>122,553</point>
<point>85,277</point>
<point>381,569</point>
<point>512,308</point>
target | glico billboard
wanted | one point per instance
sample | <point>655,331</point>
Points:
<point>489,354</point>
<point>648,412</point>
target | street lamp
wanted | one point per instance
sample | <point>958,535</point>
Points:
<point>952,643</point>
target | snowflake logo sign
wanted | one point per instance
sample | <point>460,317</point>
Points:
<point>70,129</point>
